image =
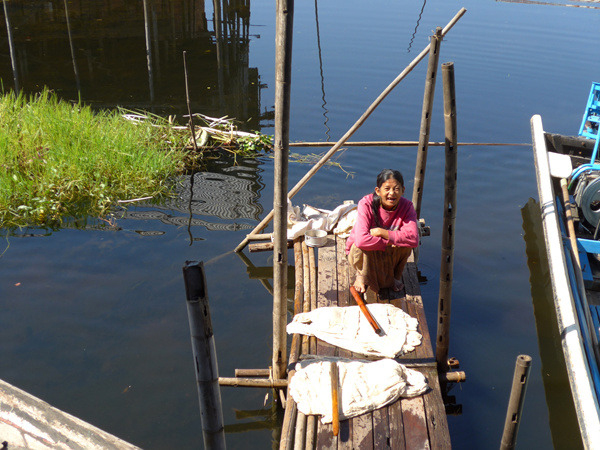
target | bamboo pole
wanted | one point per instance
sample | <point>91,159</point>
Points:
<point>300,434</point>
<point>313,293</point>
<point>283,78</point>
<point>205,356</point>
<point>11,46</point>
<point>447,259</point>
<point>402,144</point>
<point>261,226</point>
<point>311,431</point>
<point>246,373</point>
<point>306,290</point>
<point>253,382</point>
<point>434,56</point>
<point>515,403</point>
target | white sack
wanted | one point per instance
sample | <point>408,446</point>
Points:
<point>348,328</point>
<point>363,386</point>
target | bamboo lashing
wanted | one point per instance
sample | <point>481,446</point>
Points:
<point>365,310</point>
<point>353,129</point>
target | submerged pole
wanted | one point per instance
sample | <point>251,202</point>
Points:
<point>447,263</point>
<point>205,355</point>
<point>283,79</point>
<point>434,56</point>
<point>261,226</point>
<point>515,403</point>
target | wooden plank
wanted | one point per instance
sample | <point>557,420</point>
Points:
<point>381,428</point>
<point>325,437</point>
<point>362,431</point>
<point>327,278</point>
<point>396,425</point>
<point>415,427</point>
<point>435,412</point>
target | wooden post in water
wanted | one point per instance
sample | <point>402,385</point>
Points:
<point>75,70</point>
<point>515,403</point>
<point>434,56</point>
<point>447,263</point>
<point>283,79</point>
<point>205,355</point>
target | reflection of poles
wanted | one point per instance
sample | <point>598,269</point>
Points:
<point>416,27</point>
<point>205,356</point>
<point>72,49</point>
<point>434,56</point>
<point>325,111</point>
<point>218,28</point>
<point>11,45</point>
<point>148,50</point>
<point>283,77</point>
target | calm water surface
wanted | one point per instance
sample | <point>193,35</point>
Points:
<point>94,320</point>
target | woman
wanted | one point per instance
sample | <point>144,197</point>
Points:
<point>383,235</point>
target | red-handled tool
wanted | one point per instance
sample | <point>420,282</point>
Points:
<point>363,307</point>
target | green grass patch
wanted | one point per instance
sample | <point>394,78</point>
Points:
<point>60,161</point>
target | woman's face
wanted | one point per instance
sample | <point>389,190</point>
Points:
<point>390,193</point>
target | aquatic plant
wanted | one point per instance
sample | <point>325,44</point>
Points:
<point>60,160</point>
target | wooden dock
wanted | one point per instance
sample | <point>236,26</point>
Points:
<point>323,279</point>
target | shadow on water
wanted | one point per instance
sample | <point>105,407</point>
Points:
<point>561,411</point>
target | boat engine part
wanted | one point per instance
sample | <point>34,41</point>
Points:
<point>587,196</point>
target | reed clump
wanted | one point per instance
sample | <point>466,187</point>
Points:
<point>59,160</point>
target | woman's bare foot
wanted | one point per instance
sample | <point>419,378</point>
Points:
<point>360,285</point>
<point>398,285</point>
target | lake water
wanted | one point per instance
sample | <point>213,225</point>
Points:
<point>94,319</point>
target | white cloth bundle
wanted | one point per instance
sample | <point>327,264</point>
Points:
<point>363,386</point>
<point>319,219</point>
<point>348,328</point>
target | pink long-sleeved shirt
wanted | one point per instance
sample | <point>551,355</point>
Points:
<point>401,224</point>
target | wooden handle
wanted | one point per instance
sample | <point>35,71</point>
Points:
<point>335,411</point>
<point>365,310</point>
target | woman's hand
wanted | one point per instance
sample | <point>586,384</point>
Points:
<point>379,232</point>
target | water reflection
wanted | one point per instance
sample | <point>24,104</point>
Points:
<point>561,411</point>
<point>112,53</point>
<point>412,38</point>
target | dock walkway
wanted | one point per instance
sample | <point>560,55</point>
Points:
<point>323,279</point>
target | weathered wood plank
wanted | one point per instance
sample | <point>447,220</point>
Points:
<point>362,431</point>
<point>327,279</point>
<point>435,412</point>
<point>325,437</point>
<point>415,428</point>
<point>381,428</point>
<point>396,425</point>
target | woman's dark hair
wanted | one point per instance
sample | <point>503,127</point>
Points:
<point>383,176</point>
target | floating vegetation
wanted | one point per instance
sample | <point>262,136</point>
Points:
<point>60,160</point>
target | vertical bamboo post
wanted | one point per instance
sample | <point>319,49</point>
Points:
<point>205,355</point>
<point>447,263</point>
<point>11,46</point>
<point>434,56</point>
<point>515,403</point>
<point>283,78</point>
<point>148,50</point>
